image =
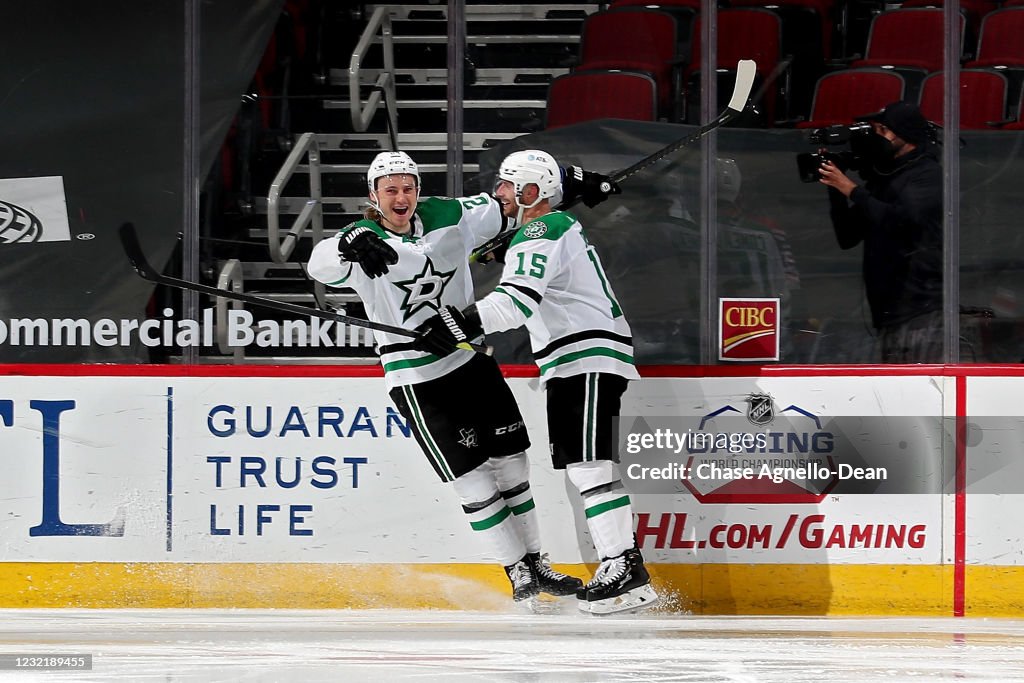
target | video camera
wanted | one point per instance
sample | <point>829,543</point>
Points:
<point>860,137</point>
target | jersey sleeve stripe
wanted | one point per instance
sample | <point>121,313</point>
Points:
<point>345,277</point>
<point>522,289</point>
<point>519,304</point>
<point>581,336</point>
<point>616,310</point>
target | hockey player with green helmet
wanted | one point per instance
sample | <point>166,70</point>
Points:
<point>553,283</point>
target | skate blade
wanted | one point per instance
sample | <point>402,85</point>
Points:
<point>636,599</point>
<point>543,604</point>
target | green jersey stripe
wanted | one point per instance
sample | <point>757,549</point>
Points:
<point>433,450</point>
<point>590,428</point>
<point>410,362</point>
<point>605,507</point>
<point>616,311</point>
<point>494,520</point>
<point>519,304</point>
<point>587,353</point>
<point>525,506</point>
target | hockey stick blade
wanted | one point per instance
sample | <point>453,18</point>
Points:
<point>133,250</point>
<point>746,71</point>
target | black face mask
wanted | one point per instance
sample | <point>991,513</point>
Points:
<point>882,149</point>
<point>871,147</point>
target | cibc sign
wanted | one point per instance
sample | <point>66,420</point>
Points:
<point>748,329</point>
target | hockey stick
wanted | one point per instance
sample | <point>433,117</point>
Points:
<point>133,249</point>
<point>746,70</point>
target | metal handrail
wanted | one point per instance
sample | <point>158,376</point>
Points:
<point>230,278</point>
<point>385,84</point>
<point>312,213</point>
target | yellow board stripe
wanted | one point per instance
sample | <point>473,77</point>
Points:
<point>783,589</point>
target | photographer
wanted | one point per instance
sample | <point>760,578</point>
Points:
<point>897,214</point>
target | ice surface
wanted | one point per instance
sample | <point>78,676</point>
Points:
<point>388,645</point>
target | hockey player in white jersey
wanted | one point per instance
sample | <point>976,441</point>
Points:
<point>553,284</point>
<point>407,259</point>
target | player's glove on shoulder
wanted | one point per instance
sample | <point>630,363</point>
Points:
<point>440,333</point>
<point>593,188</point>
<point>498,248</point>
<point>363,246</point>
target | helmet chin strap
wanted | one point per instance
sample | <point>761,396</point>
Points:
<point>523,208</point>
<point>375,205</point>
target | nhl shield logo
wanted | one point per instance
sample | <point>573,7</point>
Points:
<point>761,410</point>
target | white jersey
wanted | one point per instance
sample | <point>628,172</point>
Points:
<point>554,284</point>
<point>432,271</point>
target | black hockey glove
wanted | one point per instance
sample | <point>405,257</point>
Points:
<point>592,187</point>
<point>363,246</point>
<point>494,251</point>
<point>441,333</point>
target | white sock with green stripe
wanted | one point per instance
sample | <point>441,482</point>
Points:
<point>512,473</point>
<point>606,505</point>
<point>489,515</point>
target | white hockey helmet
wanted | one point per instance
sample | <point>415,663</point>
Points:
<point>533,167</point>
<point>390,163</point>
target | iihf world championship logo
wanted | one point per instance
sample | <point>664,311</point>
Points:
<point>791,461</point>
<point>33,210</point>
<point>18,224</point>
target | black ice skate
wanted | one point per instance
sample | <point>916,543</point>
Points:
<point>524,582</point>
<point>550,581</point>
<point>620,583</point>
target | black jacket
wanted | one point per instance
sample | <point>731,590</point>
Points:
<point>897,213</point>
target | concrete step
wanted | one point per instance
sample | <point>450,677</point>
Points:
<point>409,142</point>
<point>360,169</point>
<point>333,298</point>
<point>527,27</point>
<point>292,206</point>
<point>430,52</point>
<point>341,185</point>
<point>482,77</point>
<point>268,270</point>
<point>494,12</point>
<point>482,40</point>
<point>442,105</point>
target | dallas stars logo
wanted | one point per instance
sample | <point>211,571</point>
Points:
<point>424,290</point>
<point>468,439</point>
